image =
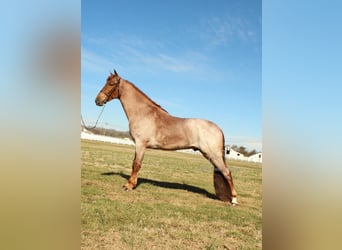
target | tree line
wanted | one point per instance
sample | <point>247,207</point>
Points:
<point>110,132</point>
<point>243,150</point>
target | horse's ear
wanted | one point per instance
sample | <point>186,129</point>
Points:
<point>117,81</point>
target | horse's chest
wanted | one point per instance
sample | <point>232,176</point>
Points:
<point>142,129</point>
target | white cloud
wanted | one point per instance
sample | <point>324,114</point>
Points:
<point>221,31</point>
<point>135,53</point>
<point>150,53</point>
<point>94,62</point>
<point>169,63</point>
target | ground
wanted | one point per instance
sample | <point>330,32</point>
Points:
<point>173,207</point>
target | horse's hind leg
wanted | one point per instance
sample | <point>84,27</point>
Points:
<point>219,162</point>
<point>133,179</point>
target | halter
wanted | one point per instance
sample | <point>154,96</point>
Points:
<point>112,90</point>
<point>107,95</point>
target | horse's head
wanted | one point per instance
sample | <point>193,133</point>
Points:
<point>110,90</point>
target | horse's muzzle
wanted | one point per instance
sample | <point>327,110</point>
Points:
<point>99,102</point>
<point>101,99</point>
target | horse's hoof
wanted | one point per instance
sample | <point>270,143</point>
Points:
<point>124,188</point>
<point>234,201</point>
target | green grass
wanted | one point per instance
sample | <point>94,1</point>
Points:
<point>173,207</point>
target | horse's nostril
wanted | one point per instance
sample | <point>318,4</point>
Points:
<point>98,103</point>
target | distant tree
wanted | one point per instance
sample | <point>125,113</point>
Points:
<point>243,150</point>
<point>253,152</point>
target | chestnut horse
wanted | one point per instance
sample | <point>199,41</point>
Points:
<point>152,127</point>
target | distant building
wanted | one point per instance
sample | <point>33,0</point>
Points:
<point>255,158</point>
<point>232,154</point>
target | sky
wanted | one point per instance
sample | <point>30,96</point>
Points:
<point>197,59</point>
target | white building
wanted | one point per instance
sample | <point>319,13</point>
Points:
<point>255,158</point>
<point>232,154</point>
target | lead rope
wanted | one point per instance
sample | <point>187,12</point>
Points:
<point>87,127</point>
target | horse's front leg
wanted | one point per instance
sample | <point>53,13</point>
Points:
<point>138,158</point>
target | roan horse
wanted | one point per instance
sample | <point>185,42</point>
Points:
<point>152,127</point>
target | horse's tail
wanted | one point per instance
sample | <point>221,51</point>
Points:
<point>223,150</point>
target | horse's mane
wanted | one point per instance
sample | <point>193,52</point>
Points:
<point>143,94</point>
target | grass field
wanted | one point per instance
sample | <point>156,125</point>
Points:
<point>173,207</point>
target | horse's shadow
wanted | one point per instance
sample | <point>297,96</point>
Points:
<point>169,185</point>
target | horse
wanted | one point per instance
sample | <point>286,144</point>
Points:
<point>153,127</point>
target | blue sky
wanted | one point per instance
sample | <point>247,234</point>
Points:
<point>195,58</point>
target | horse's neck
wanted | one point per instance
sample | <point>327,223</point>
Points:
<point>134,102</point>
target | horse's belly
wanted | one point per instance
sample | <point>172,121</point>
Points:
<point>172,141</point>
